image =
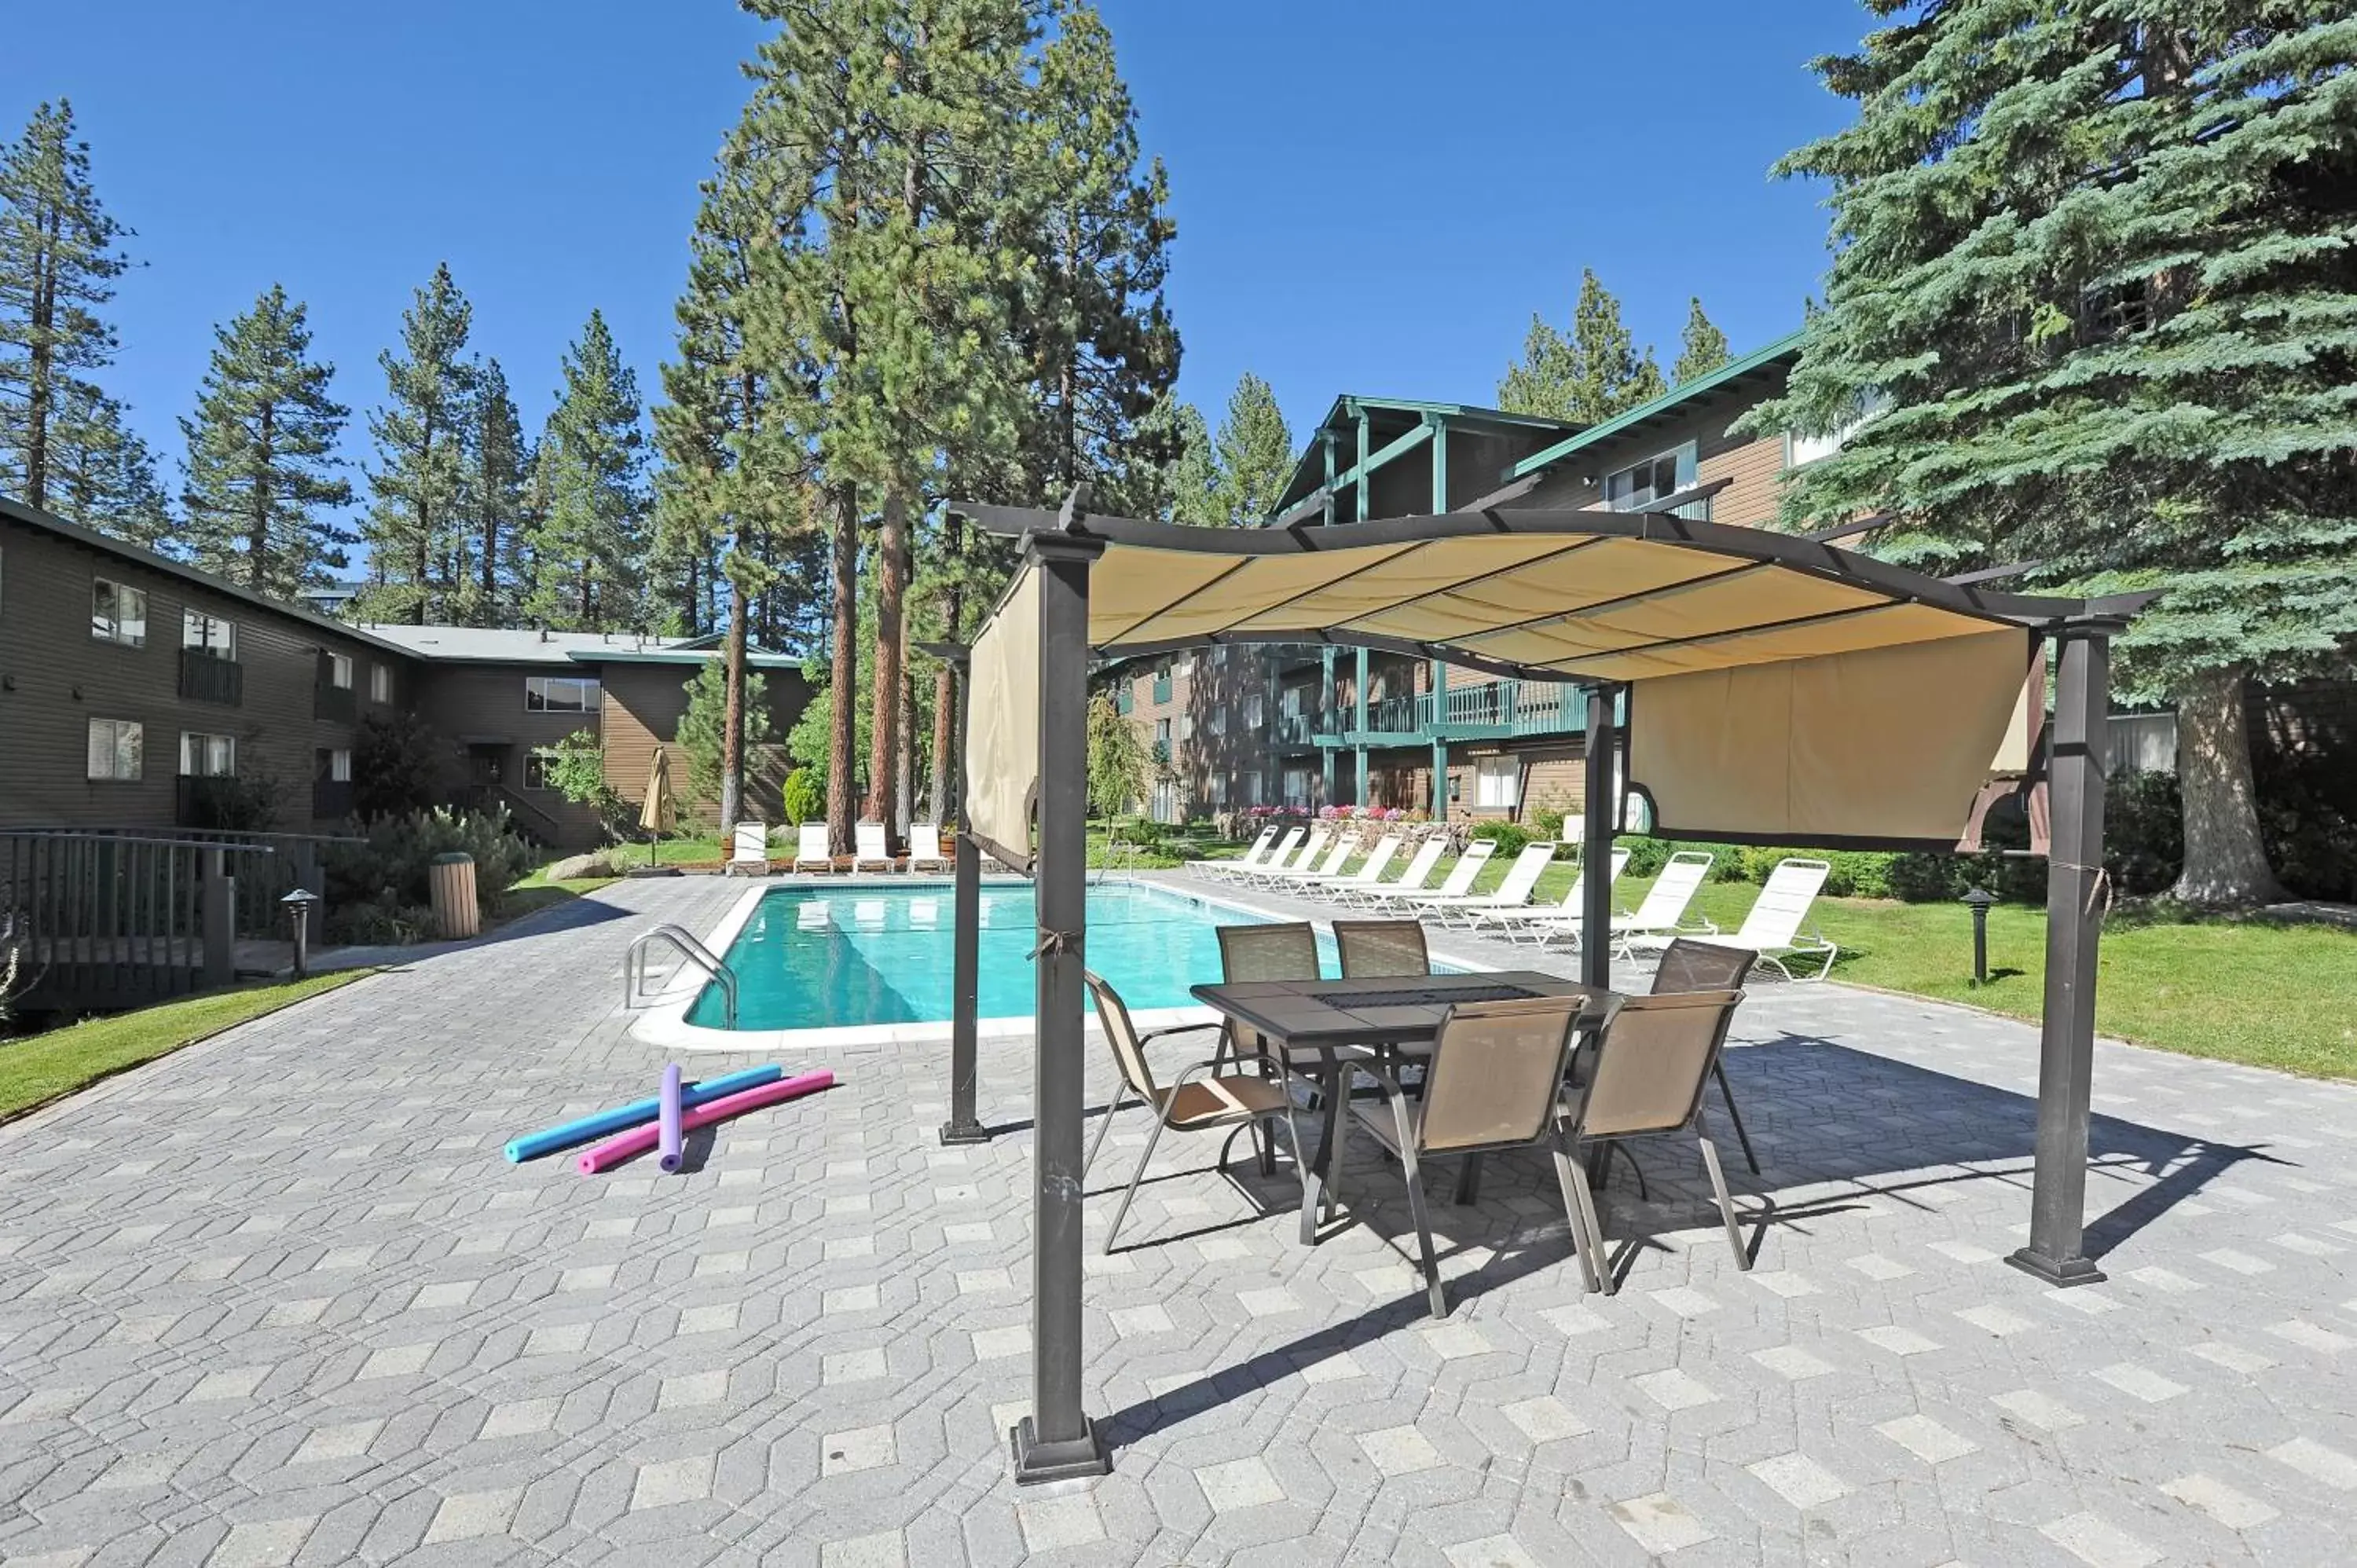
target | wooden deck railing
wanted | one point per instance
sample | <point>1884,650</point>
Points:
<point>107,920</point>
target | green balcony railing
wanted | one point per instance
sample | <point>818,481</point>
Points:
<point>1162,688</point>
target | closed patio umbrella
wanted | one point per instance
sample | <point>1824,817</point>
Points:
<point>655,814</point>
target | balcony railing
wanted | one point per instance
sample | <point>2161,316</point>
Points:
<point>1125,697</point>
<point>1487,711</point>
<point>336,704</point>
<point>1297,729</point>
<point>1162,688</point>
<point>210,677</point>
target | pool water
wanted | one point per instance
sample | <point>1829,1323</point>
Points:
<point>817,958</point>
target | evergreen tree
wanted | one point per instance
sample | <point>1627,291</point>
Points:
<point>1701,348</point>
<point>499,493</point>
<point>1187,483</point>
<point>1254,452</point>
<point>586,546</point>
<point>261,456</point>
<point>58,260</point>
<point>2090,267</point>
<point>101,473</point>
<point>416,525</point>
<point>1586,377</point>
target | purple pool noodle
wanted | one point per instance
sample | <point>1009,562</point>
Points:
<point>667,1135</point>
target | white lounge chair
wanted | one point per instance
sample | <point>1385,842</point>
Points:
<point>1301,875</point>
<point>869,848</point>
<point>1772,928</point>
<point>1418,874</point>
<point>1312,847</point>
<point>1513,893</point>
<point>749,850</point>
<point>925,847</point>
<point>1458,884</point>
<point>1240,870</point>
<point>1370,871</point>
<point>811,847</point>
<point>1538,923</point>
<point>1664,911</point>
<point>1251,856</point>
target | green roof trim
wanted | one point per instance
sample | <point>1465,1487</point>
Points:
<point>1308,478</point>
<point>754,658</point>
<point>1732,371</point>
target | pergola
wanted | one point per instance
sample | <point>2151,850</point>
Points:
<point>1776,689</point>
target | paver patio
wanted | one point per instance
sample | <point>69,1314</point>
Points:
<point>279,1298</point>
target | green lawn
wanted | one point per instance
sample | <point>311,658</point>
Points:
<point>2246,991</point>
<point>42,1068</point>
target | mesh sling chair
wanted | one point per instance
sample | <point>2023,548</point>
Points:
<point>1375,947</point>
<point>1279,951</point>
<point>1688,966</point>
<point>1646,1078</point>
<point>1201,1099</point>
<point>1493,1082</point>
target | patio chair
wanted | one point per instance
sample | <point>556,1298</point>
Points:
<point>867,847</point>
<point>1772,928</point>
<point>1687,966</point>
<point>749,850</point>
<point>1492,1082</point>
<point>925,847</point>
<point>1375,947</point>
<point>1459,882</point>
<point>811,847</point>
<point>1237,871</point>
<point>1309,846</point>
<point>1644,1079</point>
<point>1301,875</point>
<point>1516,922</point>
<point>1251,857</point>
<point>1201,1099</point>
<point>1370,871</point>
<point>1371,895</point>
<point>1513,893</point>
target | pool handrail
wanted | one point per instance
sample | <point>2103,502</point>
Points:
<point>694,951</point>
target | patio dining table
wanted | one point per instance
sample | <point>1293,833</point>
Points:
<point>1321,1027</point>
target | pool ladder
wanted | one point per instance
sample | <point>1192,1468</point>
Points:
<point>634,966</point>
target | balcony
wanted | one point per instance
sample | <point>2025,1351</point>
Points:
<point>212,801</point>
<point>331,799</point>
<point>1493,710</point>
<point>1125,696</point>
<point>336,704</point>
<point>210,677</point>
<point>1297,730</point>
<point>1162,688</point>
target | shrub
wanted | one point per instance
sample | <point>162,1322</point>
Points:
<point>804,798</point>
<point>2308,820</point>
<point>1509,838</point>
<point>2144,833</point>
<point>396,766</point>
<point>381,885</point>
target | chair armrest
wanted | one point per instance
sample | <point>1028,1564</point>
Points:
<point>1152,1034</point>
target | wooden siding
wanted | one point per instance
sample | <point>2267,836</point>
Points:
<point>643,705</point>
<point>55,677</point>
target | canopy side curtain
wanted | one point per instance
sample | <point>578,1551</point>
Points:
<point>1002,753</point>
<point>1888,746</point>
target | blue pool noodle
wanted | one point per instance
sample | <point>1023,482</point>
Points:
<point>532,1146</point>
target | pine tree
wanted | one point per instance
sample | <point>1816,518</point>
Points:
<point>416,525</point>
<point>1586,377</point>
<point>586,546</point>
<point>1254,452</point>
<point>1185,485</point>
<point>499,494</point>
<point>262,456</point>
<point>1701,348</point>
<point>102,475</point>
<point>58,260</point>
<point>2090,269</point>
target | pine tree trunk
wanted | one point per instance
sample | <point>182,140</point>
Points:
<point>257,542</point>
<point>38,389</point>
<point>843,681</point>
<point>946,760</point>
<point>732,715</point>
<point>904,803</point>
<point>2225,862</point>
<point>883,716</point>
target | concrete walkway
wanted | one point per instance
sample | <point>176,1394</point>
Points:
<point>279,1299</point>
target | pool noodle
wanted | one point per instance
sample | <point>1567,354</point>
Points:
<point>667,1127</point>
<point>638,1140</point>
<point>533,1144</point>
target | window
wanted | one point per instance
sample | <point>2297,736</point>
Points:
<point>1802,449</point>
<point>1162,736</point>
<point>1642,484</point>
<point>201,633</point>
<point>208,755</point>
<point>1185,726</point>
<point>535,771</point>
<point>1219,724</point>
<point>1216,790</point>
<point>118,614</point>
<point>339,670</point>
<point>559,695</point>
<point>1497,783</point>
<point>1252,711</point>
<point>379,682</point>
<point>1296,786</point>
<point>1248,789</point>
<point>115,750</point>
<point>339,766</point>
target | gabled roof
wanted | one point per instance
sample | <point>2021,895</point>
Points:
<point>1309,470</point>
<point>521,645</point>
<point>1728,378</point>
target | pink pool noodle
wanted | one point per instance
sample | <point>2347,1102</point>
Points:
<point>668,1131</point>
<point>638,1140</point>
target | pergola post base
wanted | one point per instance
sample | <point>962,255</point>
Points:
<point>1074,1458</point>
<point>2059,1273</point>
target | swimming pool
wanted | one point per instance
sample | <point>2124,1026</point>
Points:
<point>826,958</point>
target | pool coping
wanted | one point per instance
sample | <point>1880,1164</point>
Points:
<point>664,1022</point>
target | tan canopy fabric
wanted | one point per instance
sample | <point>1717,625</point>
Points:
<point>1887,744</point>
<point>1002,755</point>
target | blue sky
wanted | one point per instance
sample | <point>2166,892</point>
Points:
<point>1372,198</point>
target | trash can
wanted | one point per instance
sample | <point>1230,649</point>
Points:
<point>452,880</point>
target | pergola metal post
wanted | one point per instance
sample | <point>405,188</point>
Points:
<point>1600,814</point>
<point>1439,741</point>
<point>2075,923</point>
<point>1057,1441</point>
<point>965,954</point>
<point>1360,692</point>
